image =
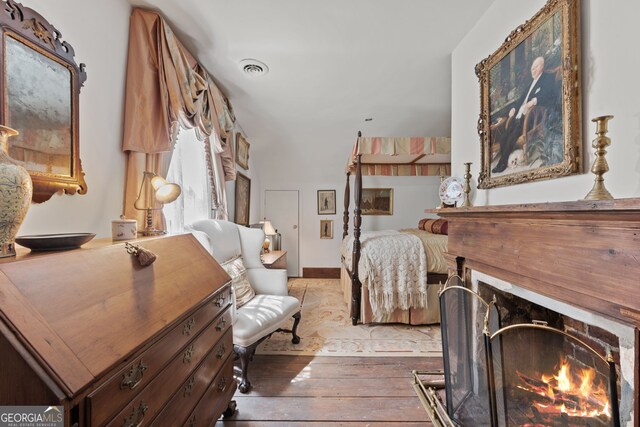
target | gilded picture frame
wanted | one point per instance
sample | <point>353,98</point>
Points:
<point>530,108</point>
<point>40,89</point>
<point>243,199</point>
<point>326,202</point>
<point>377,201</point>
<point>326,229</point>
<point>242,151</point>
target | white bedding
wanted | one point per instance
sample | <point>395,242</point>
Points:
<point>393,266</point>
<point>435,245</point>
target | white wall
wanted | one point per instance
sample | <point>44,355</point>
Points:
<point>98,31</point>
<point>611,85</point>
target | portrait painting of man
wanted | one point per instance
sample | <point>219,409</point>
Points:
<point>526,103</point>
<point>530,100</point>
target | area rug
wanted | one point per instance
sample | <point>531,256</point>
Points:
<point>326,329</point>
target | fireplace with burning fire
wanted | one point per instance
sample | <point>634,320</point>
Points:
<point>509,362</point>
<point>577,260</point>
<point>542,376</point>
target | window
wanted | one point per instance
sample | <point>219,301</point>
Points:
<point>188,168</point>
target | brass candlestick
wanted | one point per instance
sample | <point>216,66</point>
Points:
<point>467,185</point>
<point>441,205</point>
<point>600,165</point>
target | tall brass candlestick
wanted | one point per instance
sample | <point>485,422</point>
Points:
<point>600,165</point>
<point>441,205</point>
<point>467,185</point>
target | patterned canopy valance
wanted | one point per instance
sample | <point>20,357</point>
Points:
<point>402,156</point>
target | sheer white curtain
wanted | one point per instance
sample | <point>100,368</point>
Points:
<point>220,210</point>
<point>188,168</point>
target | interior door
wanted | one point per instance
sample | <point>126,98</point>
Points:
<point>281,208</point>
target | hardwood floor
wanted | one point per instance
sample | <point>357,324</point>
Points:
<point>296,391</point>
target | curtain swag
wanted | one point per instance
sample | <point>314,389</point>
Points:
<point>166,86</point>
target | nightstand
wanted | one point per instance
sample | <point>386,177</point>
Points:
<point>275,259</point>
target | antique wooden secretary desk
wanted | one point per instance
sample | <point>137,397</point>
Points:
<point>116,343</point>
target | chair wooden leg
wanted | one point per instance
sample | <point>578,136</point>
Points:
<point>245,354</point>
<point>294,330</point>
<point>231,409</point>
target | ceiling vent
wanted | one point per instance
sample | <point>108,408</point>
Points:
<point>253,67</point>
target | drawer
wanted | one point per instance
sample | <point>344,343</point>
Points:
<point>127,383</point>
<point>153,398</point>
<point>215,399</point>
<point>182,403</point>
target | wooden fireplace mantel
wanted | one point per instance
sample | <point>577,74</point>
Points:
<point>585,253</point>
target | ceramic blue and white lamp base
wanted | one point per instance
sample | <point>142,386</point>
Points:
<point>16,190</point>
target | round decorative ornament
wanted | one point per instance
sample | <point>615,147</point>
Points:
<point>15,195</point>
<point>451,191</point>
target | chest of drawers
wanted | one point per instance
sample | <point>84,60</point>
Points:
<point>117,344</point>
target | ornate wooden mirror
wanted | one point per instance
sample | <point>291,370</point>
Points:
<point>40,89</point>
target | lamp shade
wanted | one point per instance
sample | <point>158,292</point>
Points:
<point>268,228</point>
<point>156,191</point>
<point>166,192</point>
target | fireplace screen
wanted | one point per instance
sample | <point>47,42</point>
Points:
<point>462,314</point>
<point>542,376</point>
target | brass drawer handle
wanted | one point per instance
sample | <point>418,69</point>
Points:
<point>186,330</point>
<point>137,416</point>
<point>188,389</point>
<point>222,384</point>
<point>220,325</point>
<point>188,354</point>
<point>220,301</point>
<point>221,351</point>
<point>132,378</point>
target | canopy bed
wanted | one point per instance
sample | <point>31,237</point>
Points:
<point>384,274</point>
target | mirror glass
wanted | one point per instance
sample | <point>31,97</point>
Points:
<point>39,104</point>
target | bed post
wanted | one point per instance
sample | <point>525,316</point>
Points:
<point>345,215</point>
<point>356,286</point>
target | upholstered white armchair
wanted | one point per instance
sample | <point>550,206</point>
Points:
<point>271,308</point>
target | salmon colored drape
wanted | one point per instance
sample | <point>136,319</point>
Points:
<point>166,87</point>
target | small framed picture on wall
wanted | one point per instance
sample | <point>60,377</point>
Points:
<point>326,229</point>
<point>243,199</point>
<point>242,151</point>
<point>326,202</point>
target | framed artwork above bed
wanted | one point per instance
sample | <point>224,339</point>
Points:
<point>377,201</point>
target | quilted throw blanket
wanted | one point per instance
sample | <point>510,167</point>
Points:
<point>393,265</point>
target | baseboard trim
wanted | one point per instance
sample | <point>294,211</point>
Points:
<point>320,273</point>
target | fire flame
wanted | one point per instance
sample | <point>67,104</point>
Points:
<point>566,392</point>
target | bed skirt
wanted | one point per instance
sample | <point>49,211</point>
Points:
<point>413,316</point>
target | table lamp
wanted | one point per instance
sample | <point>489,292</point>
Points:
<point>155,191</point>
<point>268,231</point>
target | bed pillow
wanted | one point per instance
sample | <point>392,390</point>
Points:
<point>434,226</point>
<point>239,281</point>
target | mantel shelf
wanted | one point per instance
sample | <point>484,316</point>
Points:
<point>580,207</point>
<point>584,252</point>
